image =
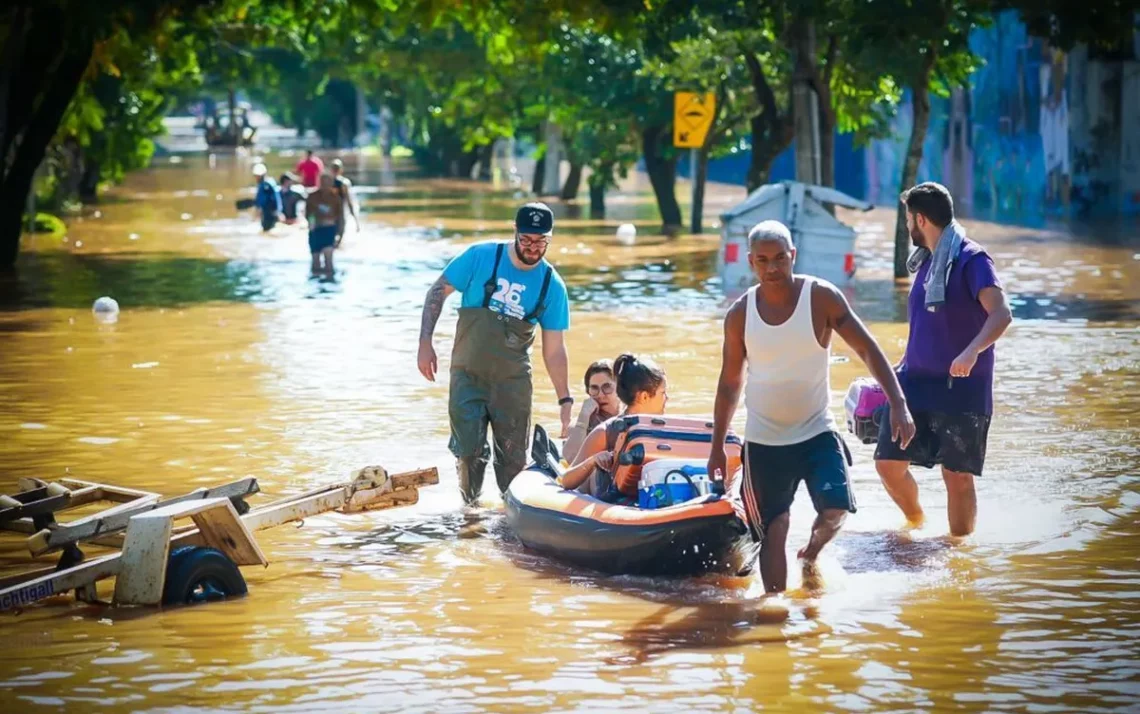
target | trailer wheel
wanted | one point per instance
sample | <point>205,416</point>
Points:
<point>195,574</point>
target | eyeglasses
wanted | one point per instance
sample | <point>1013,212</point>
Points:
<point>535,242</point>
<point>607,388</point>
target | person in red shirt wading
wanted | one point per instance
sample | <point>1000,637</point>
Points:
<point>310,168</point>
<point>781,331</point>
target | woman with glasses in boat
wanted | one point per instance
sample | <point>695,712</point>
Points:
<point>641,386</point>
<point>601,404</point>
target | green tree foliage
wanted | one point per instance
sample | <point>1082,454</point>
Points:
<point>47,51</point>
<point>109,125</point>
<point>924,46</point>
<point>93,81</point>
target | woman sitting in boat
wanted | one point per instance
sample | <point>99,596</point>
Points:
<point>600,405</point>
<point>641,387</point>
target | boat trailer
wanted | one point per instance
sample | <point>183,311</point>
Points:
<point>178,550</point>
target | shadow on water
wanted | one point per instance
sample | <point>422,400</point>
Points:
<point>69,280</point>
<point>891,551</point>
<point>711,626</point>
<point>709,612</point>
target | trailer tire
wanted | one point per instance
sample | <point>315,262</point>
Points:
<point>195,574</point>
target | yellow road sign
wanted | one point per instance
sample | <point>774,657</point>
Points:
<point>692,116</point>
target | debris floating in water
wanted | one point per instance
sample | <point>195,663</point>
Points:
<point>187,216</point>
<point>133,236</point>
<point>627,234</point>
<point>106,309</point>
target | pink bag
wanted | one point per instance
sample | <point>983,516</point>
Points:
<point>863,408</point>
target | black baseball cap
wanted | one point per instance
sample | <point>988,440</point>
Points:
<point>535,218</point>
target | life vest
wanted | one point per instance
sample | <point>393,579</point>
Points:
<point>643,439</point>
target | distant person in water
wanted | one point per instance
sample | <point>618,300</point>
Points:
<point>310,168</point>
<point>601,404</point>
<point>324,211</point>
<point>292,195</point>
<point>344,187</point>
<point>958,310</point>
<point>268,199</point>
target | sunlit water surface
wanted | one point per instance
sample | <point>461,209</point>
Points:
<point>229,361</point>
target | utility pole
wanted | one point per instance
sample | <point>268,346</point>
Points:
<point>805,105</point>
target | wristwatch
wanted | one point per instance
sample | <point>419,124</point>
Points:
<point>565,400</point>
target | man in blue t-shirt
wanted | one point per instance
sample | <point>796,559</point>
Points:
<point>958,310</point>
<point>508,289</point>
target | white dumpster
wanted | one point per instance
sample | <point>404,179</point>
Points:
<point>825,247</point>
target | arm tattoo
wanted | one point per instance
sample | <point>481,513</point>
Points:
<point>433,306</point>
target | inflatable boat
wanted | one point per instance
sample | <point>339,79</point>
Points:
<point>701,535</point>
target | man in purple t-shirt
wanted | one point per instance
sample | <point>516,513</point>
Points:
<point>948,369</point>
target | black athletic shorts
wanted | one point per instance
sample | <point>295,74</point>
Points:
<point>955,441</point>
<point>772,474</point>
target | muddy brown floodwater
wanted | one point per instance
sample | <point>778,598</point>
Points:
<point>229,360</point>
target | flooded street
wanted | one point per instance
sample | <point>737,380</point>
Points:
<point>229,360</point>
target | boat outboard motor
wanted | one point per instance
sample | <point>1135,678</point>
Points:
<point>544,453</point>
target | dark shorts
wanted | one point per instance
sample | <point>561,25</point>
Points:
<point>772,474</point>
<point>321,237</point>
<point>956,441</point>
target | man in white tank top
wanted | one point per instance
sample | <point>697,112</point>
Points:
<point>781,331</point>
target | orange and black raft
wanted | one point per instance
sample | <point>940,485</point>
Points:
<point>703,535</point>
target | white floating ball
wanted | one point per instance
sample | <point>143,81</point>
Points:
<point>627,234</point>
<point>106,309</point>
<point>105,304</point>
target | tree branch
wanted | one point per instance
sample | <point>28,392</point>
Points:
<point>760,85</point>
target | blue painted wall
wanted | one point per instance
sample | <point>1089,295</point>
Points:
<point>1038,133</point>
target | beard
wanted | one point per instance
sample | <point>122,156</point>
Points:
<point>915,237</point>
<point>523,256</point>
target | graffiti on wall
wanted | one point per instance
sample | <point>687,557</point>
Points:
<point>1001,144</point>
<point>1036,134</point>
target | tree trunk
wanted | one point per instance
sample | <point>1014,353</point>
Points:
<point>772,129</point>
<point>88,188</point>
<point>233,127</point>
<point>921,103</point>
<point>599,180</point>
<point>467,163</point>
<point>769,139</point>
<point>539,176</point>
<point>486,154</point>
<point>573,182</point>
<point>826,141</point>
<point>662,172</point>
<point>51,68</point>
<point>597,201</point>
<point>700,176</point>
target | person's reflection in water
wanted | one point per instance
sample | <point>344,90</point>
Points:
<point>714,625</point>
